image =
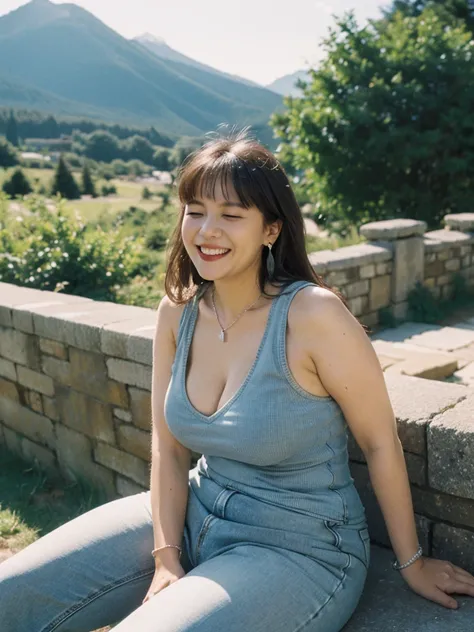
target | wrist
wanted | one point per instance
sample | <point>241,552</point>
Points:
<point>413,568</point>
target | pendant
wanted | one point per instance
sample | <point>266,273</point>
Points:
<point>222,336</point>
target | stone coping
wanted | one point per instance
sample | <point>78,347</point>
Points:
<point>436,240</point>
<point>350,256</point>
<point>123,331</point>
<point>460,221</point>
<point>391,229</point>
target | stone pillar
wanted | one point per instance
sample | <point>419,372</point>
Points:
<point>405,238</point>
<point>464,222</point>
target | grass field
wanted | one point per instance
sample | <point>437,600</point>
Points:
<point>32,504</point>
<point>129,193</point>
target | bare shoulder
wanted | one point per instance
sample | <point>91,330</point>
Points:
<point>313,303</point>
<point>169,314</point>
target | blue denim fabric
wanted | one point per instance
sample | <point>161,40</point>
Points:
<point>275,536</point>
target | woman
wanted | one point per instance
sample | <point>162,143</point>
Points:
<point>259,366</point>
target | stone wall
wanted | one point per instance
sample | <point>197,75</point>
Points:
<point>75,382</point>
<point>380,273</point>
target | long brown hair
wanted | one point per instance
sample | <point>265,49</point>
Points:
<point>259,180</point>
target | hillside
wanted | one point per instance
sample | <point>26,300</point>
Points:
<point>63,52</point>
<point>160,48</point>
<point>286,85</point>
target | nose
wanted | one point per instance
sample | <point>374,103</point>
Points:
<point>210,227</point>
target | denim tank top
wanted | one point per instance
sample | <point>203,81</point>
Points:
<point>272,440</point>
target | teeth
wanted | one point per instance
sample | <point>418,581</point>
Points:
<point>210,251</point>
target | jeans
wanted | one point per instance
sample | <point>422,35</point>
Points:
<point>250,567</point>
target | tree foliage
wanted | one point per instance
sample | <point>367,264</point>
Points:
<point>385,126</point>
<point>88,187</point>
<point>17,184</point>
<point>8,155</point>
<point>64,182</point>
<point>11,132</point>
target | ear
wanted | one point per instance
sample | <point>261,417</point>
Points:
<point>273,230</point>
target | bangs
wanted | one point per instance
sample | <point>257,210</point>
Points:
<point>199,181</point>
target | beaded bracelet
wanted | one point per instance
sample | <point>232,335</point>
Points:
<point>398,567</point>
<point>164,547</point>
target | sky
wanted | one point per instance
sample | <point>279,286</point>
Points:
<point>260,40</point>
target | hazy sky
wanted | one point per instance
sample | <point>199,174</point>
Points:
<point>257,39</point>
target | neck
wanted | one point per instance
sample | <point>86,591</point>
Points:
<point>232,297</point>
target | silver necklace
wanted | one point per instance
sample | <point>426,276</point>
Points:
<point>222,332</point>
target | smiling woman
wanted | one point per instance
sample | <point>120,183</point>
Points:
<point>269,411</point>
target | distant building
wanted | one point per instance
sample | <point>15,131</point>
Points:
<point>32,155</point>
<point>55,144</point>
<point>162,176</point>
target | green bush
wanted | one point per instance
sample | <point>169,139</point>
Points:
<point>50,250</point>
<point>106,190</point>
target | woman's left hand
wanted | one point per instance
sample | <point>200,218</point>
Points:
<point>437,579</point>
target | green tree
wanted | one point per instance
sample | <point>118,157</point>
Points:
<point>64,182</point>
<point>161,159</point>
<point>17,184</point>
<point>102,146</point>
<point>448,9</point>
<point>8,155</point>
<point>88,187</point>
<point>11,132</point>
<point>138,148</point>
<point>385,126</point>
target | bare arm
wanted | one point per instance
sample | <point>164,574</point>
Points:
<point>348,367</point>
<point>170,460</point>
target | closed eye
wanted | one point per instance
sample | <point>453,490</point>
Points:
<point>230,216</point>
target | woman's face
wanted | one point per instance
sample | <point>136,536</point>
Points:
<point>224,225</point>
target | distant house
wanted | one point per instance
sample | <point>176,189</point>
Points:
<point>32,155</point>
<point>54,144</point>
<point>162,176</point>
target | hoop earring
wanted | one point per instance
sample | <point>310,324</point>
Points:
<point>270,262</point>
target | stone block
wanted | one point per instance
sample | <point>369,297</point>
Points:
<point>126,464</point>
<point>129,373</point>
<point>36,381</point>
<point>324,261</point>
<point>19,347</point>
<point>429,366</point>
<point>415,403</point>
<point>444,338</point>
<point>9,390</point>
<point>336,278</point>
<point>85,414</point>
<point>358,305</point>
<point>53,348</point>
<point>434,269</point>
<point>38,454</point>
<point>444,255</point>
<point>131,339</point>
<point>20,419</point>
<point>460,221</point>
<point>134,441</point>
<point>408,267</point>
<point>452,265</point>
<point>443,507</point>
<point>50,409</point>
<point>128,488</point>
<point>12,440</point>
<point>392,229</point>
<point>451,450</point>
<point>429,283</point>
<point>123,415</point>
<point>370,319</point>
<point>368,271</point>
<point>380,288</point>
<point>430,257</point>
<point>466,261</point>
<point>88,374</point>
<point>141,408</point>
<point>356,289</point>
<point>74,452</point>
<point>34,401</point>
<point>8,370</point>
<point>59,370</point>
<point>80,325</point>
<point>454,544</point>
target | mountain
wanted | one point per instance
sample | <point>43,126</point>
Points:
<point>286,85</point>
<point>65,53</point>
<point>160,48</point>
